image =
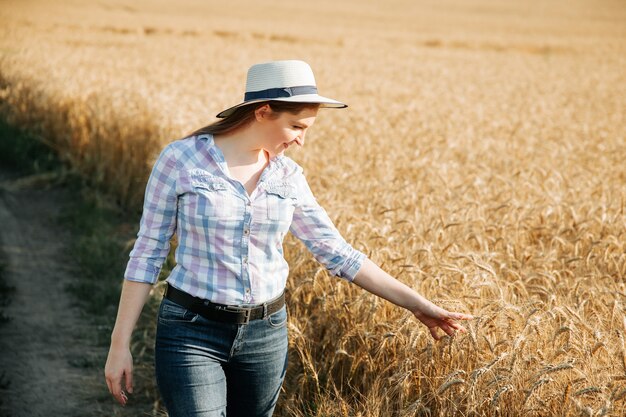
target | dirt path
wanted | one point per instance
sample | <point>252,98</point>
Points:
<point>44,345</point>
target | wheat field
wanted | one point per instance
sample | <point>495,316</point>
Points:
<point>481,161</point>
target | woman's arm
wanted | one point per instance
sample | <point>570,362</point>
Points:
<point>119,363</point>
<point>373,279</point>
<point>156,228</point>
<point>312,225</point>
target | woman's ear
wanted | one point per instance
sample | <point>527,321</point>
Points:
<point>262,112</point>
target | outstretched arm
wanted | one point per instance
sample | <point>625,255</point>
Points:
<point>373,279</point>
<point>312,225</point>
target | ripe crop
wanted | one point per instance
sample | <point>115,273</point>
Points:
<point>481,161</point>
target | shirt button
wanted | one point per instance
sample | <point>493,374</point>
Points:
<point>247,290</point>
<point>248,203</point>
<point>246,232</point>
<point>245,259</point>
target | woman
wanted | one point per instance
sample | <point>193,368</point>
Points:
<point>231,196</point>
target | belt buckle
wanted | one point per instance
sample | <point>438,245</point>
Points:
<point>238,310</point>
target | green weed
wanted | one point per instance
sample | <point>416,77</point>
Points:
<point>25,152</point>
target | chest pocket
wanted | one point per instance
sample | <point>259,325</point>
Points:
<point>214,199</point>
<point>280,201</point>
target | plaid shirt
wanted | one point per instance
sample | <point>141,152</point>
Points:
<point>230,243</point>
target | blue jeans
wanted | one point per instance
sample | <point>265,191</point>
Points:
<point>206,368</point>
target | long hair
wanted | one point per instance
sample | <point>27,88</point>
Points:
<point>244,115</point>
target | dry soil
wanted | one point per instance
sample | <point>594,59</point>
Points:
<point>47,352</point>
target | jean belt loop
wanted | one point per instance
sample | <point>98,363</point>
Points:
<point>247,317</point>
<point>264,310</point>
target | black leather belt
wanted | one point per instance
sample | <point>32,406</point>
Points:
<point>221,312</point>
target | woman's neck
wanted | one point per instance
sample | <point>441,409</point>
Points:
<point>240,148</point>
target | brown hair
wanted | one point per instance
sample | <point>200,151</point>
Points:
<point>244,115</point>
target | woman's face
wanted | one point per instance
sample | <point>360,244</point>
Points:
<point>285,130</point>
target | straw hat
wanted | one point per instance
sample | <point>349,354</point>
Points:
<point>289,80</point>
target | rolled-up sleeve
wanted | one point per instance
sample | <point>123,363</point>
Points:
<point>316,230</point>
<point>158,221</point>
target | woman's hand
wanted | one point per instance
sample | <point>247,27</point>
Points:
<point>119,367</point>
<point>119,364</point>
<point>434,317</point>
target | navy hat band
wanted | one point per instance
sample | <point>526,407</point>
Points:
<point>280,92</point>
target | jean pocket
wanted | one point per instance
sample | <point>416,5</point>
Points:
<point>170,312</point>
<point>278,319</point>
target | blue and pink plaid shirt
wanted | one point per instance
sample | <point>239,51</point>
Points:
<point>230,243</point>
